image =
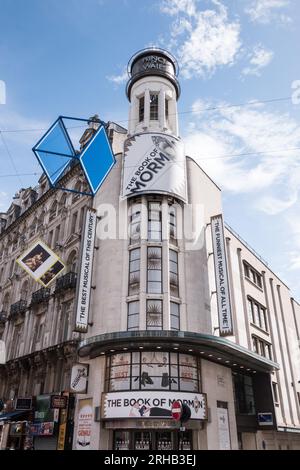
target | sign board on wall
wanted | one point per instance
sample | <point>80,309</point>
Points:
<point>221,274</point>
<point>85,274</point>
<point>41,263</point>
<point>150,404</point>
<point>58,401</point>
<point>154,163</point>
<point>23,404</point>
<point>265,419</point>
<point>79,378</point>
<point>84,426</point>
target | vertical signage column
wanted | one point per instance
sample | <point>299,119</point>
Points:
<point>85,272</point>
<point>221,275</point>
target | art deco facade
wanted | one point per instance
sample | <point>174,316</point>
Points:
<point>154,332</point>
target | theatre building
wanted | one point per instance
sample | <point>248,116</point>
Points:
<point>181,307</point>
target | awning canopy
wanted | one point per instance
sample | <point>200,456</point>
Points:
<point>11,415</point>
<point>212,348</point>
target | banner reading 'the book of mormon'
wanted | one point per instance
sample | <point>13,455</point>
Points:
<point>154,163</point>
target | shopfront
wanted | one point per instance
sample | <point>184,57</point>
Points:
<point>141,387</point>
<point>153,440</point>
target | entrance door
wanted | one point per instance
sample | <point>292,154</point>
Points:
<point>164,440</point>
<point>143,440</point>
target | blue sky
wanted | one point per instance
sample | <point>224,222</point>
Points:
<point>69,57</point>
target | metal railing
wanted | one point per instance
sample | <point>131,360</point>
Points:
<point>39,296</point>
<point>68,281</point>
<point>18,307</point>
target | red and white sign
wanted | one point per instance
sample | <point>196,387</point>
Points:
<point>176,410</point>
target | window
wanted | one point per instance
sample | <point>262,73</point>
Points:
<point>154,270</point>
<point>133,315</point>
<point>135,223</point>
<point>275,392</point>
<point>74,223</point>
<point>257,314</point>
<point>172,224</point>
<point>50,238</point>
<point>244,395</point>
<point>261,347</point>
<point>141,108</point>
<point>167,108</point>
<point>56,235</point>
<point>53,211</point>
<point>154,317</point>
<point>134,271</point>
<point>154,221</point>
<point>253,275</point>
<point>173,268</point>
<point>72,262</point>
<point>255,344</point>
<point>152,370</point>
<point>77,194</point>
<point>153,106</point>
<point>175,316</point>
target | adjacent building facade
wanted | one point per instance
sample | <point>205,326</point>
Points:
<point>181,308</point>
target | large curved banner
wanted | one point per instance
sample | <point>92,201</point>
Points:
<point>154,163</point>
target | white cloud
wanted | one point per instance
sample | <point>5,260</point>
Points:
<point>203,39</point>
<point>265,11</point>
<point>259,58</point>
<point>119,79</point>
<point>273,177</point>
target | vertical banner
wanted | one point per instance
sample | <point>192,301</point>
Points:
<point>85,272</point>
<point>222,284</point>
<point>62,430</point>
<point>84,426</point>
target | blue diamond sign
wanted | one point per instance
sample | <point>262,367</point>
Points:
<point>55,152</point>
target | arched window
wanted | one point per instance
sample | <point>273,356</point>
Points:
<point>53,211</point>
<point>5,305</point>
<point>40,221</point>
<point>24,290</point>
<point>62,203</point>
<point>72,262</point>
<point>33,227</point>
<point>77,187</point>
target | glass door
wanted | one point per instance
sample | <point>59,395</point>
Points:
<point>164,440</point>
<point>142,440</point>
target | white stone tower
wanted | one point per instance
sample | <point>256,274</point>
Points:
<point>153,91</point>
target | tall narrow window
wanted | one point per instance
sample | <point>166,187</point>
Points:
<point>141,108</point>
<point>134,271</point>
<point>154,221</point>
<point>275,392</point>
<point>250,310</point>
<point>74,222</point>
<point>255,344</point>
<point>173,268</point>
<point>154,271</point>
<point>175,316</point>
<point>173,224</point>
<point>135,223</point>
<point>153,106</point>
<point>167,108</point>
<point>133,315</point>
<point>154,319</point>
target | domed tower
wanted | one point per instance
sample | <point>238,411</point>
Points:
<point>153,91</point>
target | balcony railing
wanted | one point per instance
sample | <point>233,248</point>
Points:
<point>68,281</point>
<point>18,308</point>
<point>3,317</point>
<point>41,295</point>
